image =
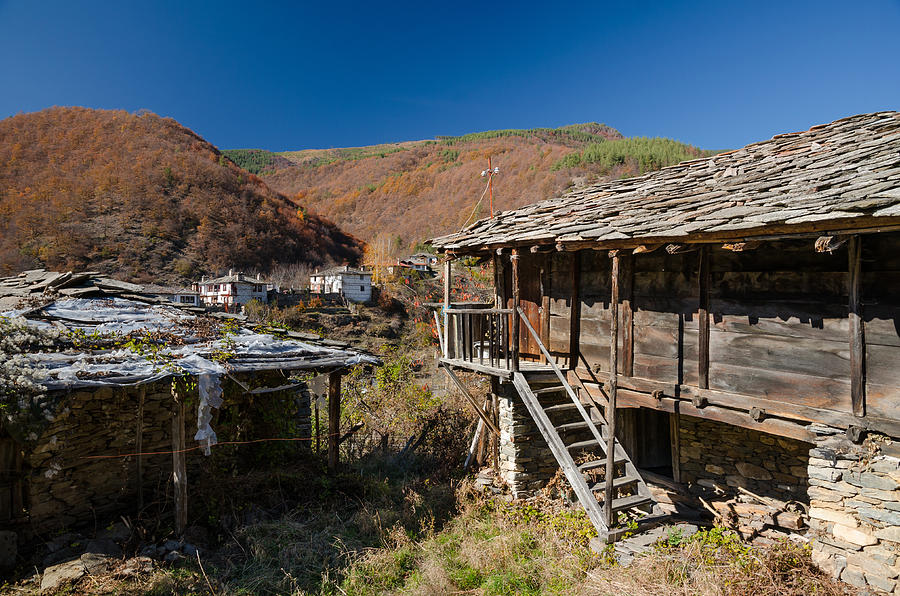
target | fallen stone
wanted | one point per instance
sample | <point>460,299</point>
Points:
<point>103,546</point>
<point>135,566</point>
<point>173,556</point>
<point>96,563</point>
<point>62,573</point>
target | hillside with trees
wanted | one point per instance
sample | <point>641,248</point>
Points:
<point>414,190</point>
<point>144,198</point>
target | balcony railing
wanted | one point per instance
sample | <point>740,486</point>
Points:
<point>482,336</point>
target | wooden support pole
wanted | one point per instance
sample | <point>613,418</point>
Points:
<point>334,418</point>
<point>139,445</point>
<point>857,332</point>
<point>545,303</point>
<point>610,413</point>
<point>575,311</point>
<point>179,461</point>
<point>627,273</point>
<point>514,340</point>
<point>703,316</point>
<point>447,285</point>
<point>675,439</point>
<point>498,276</point>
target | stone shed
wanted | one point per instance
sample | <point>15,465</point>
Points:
<point>116,405</point>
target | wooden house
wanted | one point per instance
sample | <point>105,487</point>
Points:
<point>750,300</point>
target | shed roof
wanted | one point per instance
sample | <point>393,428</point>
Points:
<point>842,175</point>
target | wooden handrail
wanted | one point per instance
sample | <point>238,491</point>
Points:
<point>563,380</point>
<point>481,311</point>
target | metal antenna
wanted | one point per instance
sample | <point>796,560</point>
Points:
<point>490,172</point>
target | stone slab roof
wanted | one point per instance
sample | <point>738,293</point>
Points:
<point>839,176</point>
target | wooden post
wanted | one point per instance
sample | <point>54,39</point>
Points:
<point>857,331</point>
<point>179,461</point>
<point>627,273</point>
<point>608,490</point>
<point>447,286</point>
<point>575,311</point>
<point>318,434</point>
<point>139,445</point>
<point>703,316</point>
<point>514,340</point>
<point>498,277</point>
<point>675,440</point>
<point>545,302</point>
<point>334,418</point>
<point>496,438</point>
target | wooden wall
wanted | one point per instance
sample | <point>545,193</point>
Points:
<point>778,322</point>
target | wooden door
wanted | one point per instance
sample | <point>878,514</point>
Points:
<point>530,300</point>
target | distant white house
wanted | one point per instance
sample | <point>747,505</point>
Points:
<point>185,298</point>
<point>354,285</point>
<point>232,290</point>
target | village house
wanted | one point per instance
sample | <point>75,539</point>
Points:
<point>730,323</point>
<point>232,290</point>
<point>345,282</point>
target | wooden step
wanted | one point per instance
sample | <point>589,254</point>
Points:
<point>554,389</point>
<point>588,444</point>
<point>629,502</point>
<point>619,482</point>
<point>561,408</point>
<point>598,463</point>
<point>573,426</point>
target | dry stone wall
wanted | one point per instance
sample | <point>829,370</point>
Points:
<point>854,513</point>
<point>526,462</point>
<point>82,466</point>
<point>717,454</point>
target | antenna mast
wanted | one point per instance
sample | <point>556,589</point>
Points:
<point>490,172</point>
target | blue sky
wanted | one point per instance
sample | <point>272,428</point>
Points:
<point>297,75</point>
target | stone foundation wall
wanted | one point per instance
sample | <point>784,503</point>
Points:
<point>714,453</point>
<point>82,468</point>
<point>526,462</point>
<point>855,511</point>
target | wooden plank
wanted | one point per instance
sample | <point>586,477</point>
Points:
<point>817,357</point>
<point>179,461</point>
<point>447,282</point>
<point>575,311</point>
<point>627,296</point>
<point>814,390</point>
<point>612,390</point>
<point>703,319</point>
<point>857,332</point>
<point>675,440</point>
<point>514,340</point>
<point>334,419</point>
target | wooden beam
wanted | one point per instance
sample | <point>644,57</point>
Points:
<point>179,461</point>
<point>334,419</point>
<point>447,285</point>
<point>575,311</point>
<point>646,248</point>
<point>680,249</point>
<point>542,248</point>
<point>703,319</point>
<point>612,391</point>
<point>627,297</point>
<point>857,332</point>
<point>485,417</point>
<point>741,246</point>
<point>514,340</point>
<point>139,445</point>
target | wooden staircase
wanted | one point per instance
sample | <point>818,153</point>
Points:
<point>579,440</point>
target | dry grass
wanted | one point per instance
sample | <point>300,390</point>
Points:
<point>716,564</point>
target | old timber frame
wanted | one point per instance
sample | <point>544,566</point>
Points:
<point>758,289</point>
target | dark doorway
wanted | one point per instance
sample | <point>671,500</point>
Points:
<point>646,436</point>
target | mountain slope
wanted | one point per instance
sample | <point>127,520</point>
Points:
<point>143,197</point>
<point>418,189</point>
